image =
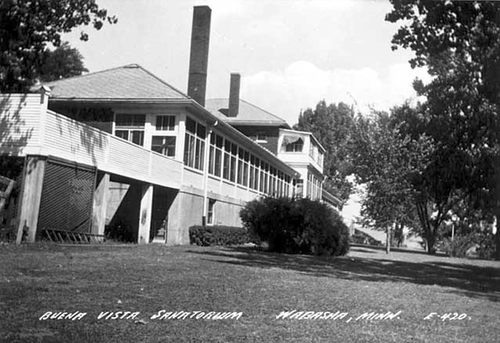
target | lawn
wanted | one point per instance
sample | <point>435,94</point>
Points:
<point>256,287</point>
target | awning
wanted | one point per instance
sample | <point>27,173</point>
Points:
<point>289,139</point>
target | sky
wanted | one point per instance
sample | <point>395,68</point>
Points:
<point>291,54</point>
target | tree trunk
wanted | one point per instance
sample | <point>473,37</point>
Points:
<point>497,235</point>
<point>431,241</point>
<point>388,240</point>
<point>497,242</point>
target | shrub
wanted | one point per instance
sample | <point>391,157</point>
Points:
<point>457,247</point>
<point>297,226</point>
<point>486,245</point>
<point>218,235</point>
<point>481,244</point>
<point>273,220</point>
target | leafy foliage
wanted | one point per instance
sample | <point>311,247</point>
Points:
<point>457,247</point>
<point>477,243</point>
<point>27,26</point>
<point>389,162</point>
<point>61,63</point>
<point>218,235</point>
<point>459,42</point>
<point>332,126</point>
<point>297,226</point>
<point>273,220</point>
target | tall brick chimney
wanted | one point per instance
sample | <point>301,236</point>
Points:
<point>198,61</point>
<point>234,95</point>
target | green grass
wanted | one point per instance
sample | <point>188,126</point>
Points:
<point>38,278</point>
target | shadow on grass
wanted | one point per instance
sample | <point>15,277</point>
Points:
<point>471,280</point>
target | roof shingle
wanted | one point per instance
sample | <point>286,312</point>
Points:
<point>126,82</point>
<point>248,113</point>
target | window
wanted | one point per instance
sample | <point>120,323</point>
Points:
<point>261,137</point>
<point>165,123</point>
<point>313,187</point>
<point>164,145</point>
<point>254,172</point>
<point>243,157</point>
<point>194,144</point>
<point>130,120</point>
<point>215,155</point>
<point>295,146</point>
<point>287,185</point>
<point>280,184</point>
<point>292,144</point>
<point>130,127</point>
<point>272,181</point>
<point>299,188</point>
<point>264,177</point>
<point>227,160</point>
<point>230,161</point>
<point>134,136</point>
<point>234,152</point>
<point>312,151</point>
<point>210,212</point>
<point>246,168</point>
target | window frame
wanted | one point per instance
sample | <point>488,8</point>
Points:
<point>194,144</point>
<point>133,126</point>
<point>171,125</point>
<point>164,145</point>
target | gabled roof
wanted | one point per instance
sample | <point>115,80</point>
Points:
<point>123,83</point>
<point>248,114</point>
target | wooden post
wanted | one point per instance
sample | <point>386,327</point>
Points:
<point>99,205</point>
<point>145,213</point>
<point>31,195</point>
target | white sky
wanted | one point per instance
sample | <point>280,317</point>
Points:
<point>290,53</point>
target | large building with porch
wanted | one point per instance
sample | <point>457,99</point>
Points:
<point>124,150</point>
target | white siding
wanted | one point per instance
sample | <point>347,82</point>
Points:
<point>56,135</point>
<point>20,118</point>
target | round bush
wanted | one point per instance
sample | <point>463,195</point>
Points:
<point>297,226</point>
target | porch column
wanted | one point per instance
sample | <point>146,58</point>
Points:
<point>31,195</point>
<point>100,203</point>
<point>145,213</point>
<point>183,213</point>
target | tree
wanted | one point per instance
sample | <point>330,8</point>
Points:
<point>388,162</point>
<point>27,26</point>
<point>332,126</point>
<point>459,42</point>
<point>60,63</point>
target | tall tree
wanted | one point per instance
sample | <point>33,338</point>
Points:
<point>27,26</point>
<point>332,126</point>
<point>388,162</point>
<point>459,42</point>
